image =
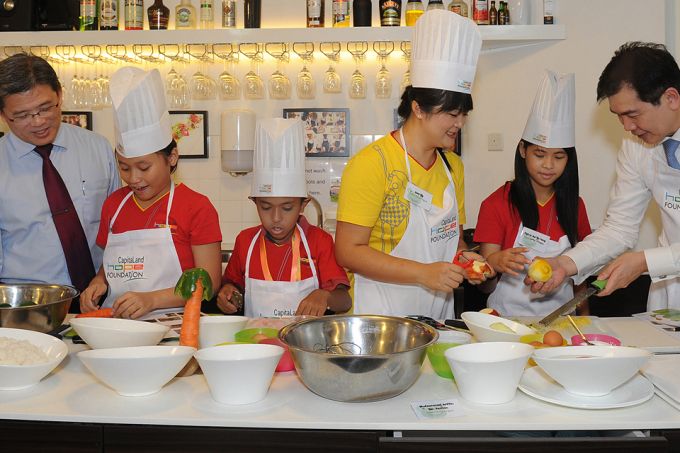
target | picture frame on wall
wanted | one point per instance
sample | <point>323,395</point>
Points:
<point>80,119</point>
<point>190,131</point>
<point>326,131</point>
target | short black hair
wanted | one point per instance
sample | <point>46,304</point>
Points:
<point>648,68</point>
<point>432,100</point>
<point>22,72</point>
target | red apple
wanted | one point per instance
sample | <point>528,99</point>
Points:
<point>489,311</point>
<point>286,362</point>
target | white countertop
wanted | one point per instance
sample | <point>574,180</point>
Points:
<point>72,394</point>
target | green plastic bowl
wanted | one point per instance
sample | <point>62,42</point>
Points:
<point>435,353</point>
<point>247,335</point>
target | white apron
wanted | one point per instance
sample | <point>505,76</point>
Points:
<point>269,298</point>
<point>513,298</point>
<point>439,226</point>
<point>665,292</point>
<point>141,260</point>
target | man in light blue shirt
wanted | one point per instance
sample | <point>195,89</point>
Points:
<point>30,104</point>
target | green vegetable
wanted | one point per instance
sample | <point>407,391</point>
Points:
<point>186,284</point>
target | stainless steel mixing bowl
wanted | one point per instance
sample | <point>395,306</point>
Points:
<point>356,358</point>
<point>35,306</point>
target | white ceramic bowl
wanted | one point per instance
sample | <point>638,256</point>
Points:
<point>101,333</point>
<point>488,373</point>
<point>591,370</point>
<point>138,370</point>
<point>219,329</point>
<point>239,373</point>
<point>15,377</point>
<point>479,323</point>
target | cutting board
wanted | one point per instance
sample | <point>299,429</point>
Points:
<point>641,333</point>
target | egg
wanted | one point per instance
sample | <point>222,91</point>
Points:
<point>553,338</point>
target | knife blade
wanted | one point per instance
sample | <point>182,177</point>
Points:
<point>595,287</point>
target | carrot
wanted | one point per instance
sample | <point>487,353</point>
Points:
<point>188,335</point>
<point>101,313</point>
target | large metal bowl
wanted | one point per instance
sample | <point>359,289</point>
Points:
<point>35,306</point>
<point>356,358</point>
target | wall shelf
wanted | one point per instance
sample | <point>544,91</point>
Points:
<point>494,36</point>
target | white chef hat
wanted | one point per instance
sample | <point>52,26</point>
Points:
<point>139,111</point>
<point>279,159</point>
<point>551,121</point>
<point>445,50</point>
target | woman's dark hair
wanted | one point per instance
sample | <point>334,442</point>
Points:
<point>647,67</point>
<point>21,72</point>
<point>432,100</point>
<point>167,151</point>
<point>523,198</point>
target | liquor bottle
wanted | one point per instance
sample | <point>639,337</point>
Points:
<point>435,4</point>
<point>480,11</point>
<point>134,14</point>
<point>390,13</point>
<point>502,14</point>
<point>228,13</point>
<point>340,13</point>
<point>108,15</point>
<point>493,14</point>
<point>206,15</point>
<point>414,9</point>
<point>362,11</point>
<point>548,12</point>
<point>252,10</point>
<point>88,15</point>
<point>316,10</point>
<point>185,16</point>
<point>507,13</point>
<point>158,15</point>
<point>459,7</point>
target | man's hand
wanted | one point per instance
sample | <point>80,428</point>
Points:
<point>562,268</point>
<point>622,271</point>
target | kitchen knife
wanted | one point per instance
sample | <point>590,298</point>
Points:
<point>595,287</point>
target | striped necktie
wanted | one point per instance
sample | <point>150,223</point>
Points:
<point>670,146</point>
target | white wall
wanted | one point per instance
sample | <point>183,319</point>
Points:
<point>503,92</point>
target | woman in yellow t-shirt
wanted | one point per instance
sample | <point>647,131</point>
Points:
<point>401,210</point>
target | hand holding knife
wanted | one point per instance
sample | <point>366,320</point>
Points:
<point>593,288</point>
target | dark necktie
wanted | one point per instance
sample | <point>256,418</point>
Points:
<point>69,228</point>
<point>670,146</point>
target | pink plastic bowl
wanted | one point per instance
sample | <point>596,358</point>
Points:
<point>598,339</point>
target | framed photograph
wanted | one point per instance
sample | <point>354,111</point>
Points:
<point>326,130</point>
<point>190,131</point>
<point>80,119</point>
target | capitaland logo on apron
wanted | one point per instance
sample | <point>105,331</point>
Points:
<point>447,229</point>
<point>126,268</point>
<point>671,201</point>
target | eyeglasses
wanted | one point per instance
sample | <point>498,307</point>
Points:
<point>43,112</point>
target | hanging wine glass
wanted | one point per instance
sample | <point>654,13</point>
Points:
<point>406,80</point>
<point>176,86</point>
<point>94,90</point>
<point>202,87</point>
<point>305,86</point>
<point>66,54</point>
<point>357,86</point>
<point>253,85</point>
<point>383,79</point>
<point>332,83</point>
<point>279,83</point>
<point>228,86</point>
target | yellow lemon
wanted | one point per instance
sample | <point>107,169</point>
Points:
<point>540,271</point>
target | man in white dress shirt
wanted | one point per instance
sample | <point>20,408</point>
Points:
<point>642,86</point>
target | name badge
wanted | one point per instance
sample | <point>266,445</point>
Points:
<point>418,196</point>
<point>533,239</point>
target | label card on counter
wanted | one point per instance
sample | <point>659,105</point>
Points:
<point>427,410</point>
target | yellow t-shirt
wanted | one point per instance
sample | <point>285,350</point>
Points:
<point>373,186</point>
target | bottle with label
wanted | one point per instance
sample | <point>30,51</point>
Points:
<point>88,15</point>
<point>459,7</point>
<point>252,11</point>
<point>363,13</point>
<point>493,14</point>
<point>207,15</point>
<point>502,14</point>
<point>341,13</point>
<point>158,15</point>
<point>228,13</point>
<point>108,15</point>
<point>390,13</point>
<point>480,11</point>
<point>548,12</point>
<point>414,9</point>
<point>134,14</point>
<point>185,16</point>
<point>435,4</point>
<point>316,10</point>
